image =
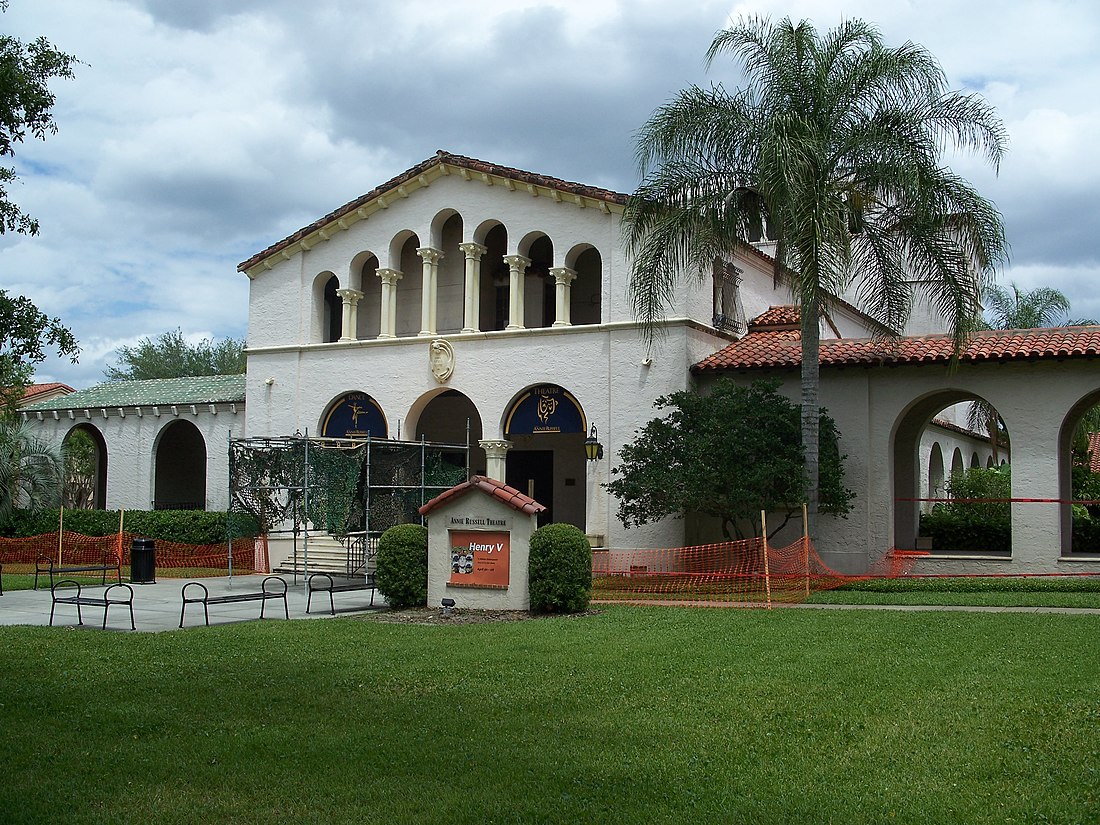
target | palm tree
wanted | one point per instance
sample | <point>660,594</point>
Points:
<point>1028,309</point>
<point>836,142</point>
<point>31,470</point>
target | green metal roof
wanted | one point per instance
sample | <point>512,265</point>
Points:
<point>197,389</point>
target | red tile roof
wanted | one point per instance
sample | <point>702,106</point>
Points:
<point>781,317</point>
<point>441,158</point>
<point>491,487</point>
<point>779,348</point>
<point>35,390</point>
<point>1094,452</point>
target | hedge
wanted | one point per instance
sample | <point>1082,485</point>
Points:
<point>184,526</point>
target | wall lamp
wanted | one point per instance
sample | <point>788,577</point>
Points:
<point>592,446</point>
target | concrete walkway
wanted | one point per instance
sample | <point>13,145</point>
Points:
<point>157,606</point>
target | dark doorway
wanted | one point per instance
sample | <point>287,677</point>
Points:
<point>532,473</point>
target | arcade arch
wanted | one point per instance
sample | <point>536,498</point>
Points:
<point>912,441</point>
<point>447,416</point>
<point>179,471</point>
<point>86,476</point>
<point>546,426</point>
<point>1074,541</point>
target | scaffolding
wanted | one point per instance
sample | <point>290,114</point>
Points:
<point>350,489</point>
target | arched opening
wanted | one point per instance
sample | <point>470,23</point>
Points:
<point>975,461</point>
<point>538,290</point>
<point>85,469</point>
<point>179,476</point>
<point>494,279</point>
<point>450,417</point>
<point>332,312</point>
<point>451,279</point>
<point>935,475</point>
<point>353,415</point>
<point>368,317</point>
<point>586,295</point>
<point>546,426</point>
<point>937,425</point>
<point>410,289</point>
<point>1078,479</point>
<point>957,465</point>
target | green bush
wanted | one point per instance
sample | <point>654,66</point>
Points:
<point>184,526</point>
<point>402,573</point>
<point>966,527</point>
<point>560,569</point>
<point>979,584</point>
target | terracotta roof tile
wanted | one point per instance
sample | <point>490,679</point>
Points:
<point>779,349</point>
<point>439,158</point>
<point>35,390</point>
<point>777,317</point>
<point>491,487</point>
<point>1094,452</point>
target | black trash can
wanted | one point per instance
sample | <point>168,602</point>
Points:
<point>143,562</point>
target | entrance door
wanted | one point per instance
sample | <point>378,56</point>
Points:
<point>532,472</point>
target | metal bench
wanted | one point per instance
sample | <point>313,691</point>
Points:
<point>80,599</point>
<point>45,564</point>
<point>317,582</point>
<point>262,596</point>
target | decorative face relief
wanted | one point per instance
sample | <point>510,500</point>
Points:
<point>441,360</point>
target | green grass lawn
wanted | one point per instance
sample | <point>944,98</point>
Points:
<point>635,715</point>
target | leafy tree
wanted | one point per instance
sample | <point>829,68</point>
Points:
<point>30,470</point>
<point>729,454</point>
<point>25,334</point>
<point>26,108</point>
<point>837,142</point>
<point>171,356</point>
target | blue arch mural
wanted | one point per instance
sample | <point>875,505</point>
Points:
<point>355,415</point>
<point>546,408</point>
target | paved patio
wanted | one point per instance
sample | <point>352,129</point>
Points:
<point>157,606</point>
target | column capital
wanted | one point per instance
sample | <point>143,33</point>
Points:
<point>563,274</point>
<point>473,251</point>
<point>350,296</point>
<point>389,276</point>
<point>429,254</point>
<point>495,448</point>
<point>517,262</point>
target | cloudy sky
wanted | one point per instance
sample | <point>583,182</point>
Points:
<point>198,132</point>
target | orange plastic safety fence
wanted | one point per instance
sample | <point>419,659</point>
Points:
<point>744,573</point>
<point>249,555</point>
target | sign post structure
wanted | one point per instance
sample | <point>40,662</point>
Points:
<point>479,541</point>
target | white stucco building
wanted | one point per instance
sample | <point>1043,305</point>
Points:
<point>466,302</point>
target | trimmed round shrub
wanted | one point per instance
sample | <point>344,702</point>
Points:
<point>560,569</point>
<point>402,573</point>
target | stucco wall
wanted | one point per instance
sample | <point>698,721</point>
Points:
<point>132,440</point>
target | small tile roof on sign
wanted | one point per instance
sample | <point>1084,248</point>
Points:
<point>439,158</point>
<point>775,349</point>
<point>491,487</point>
<point>198,389</point>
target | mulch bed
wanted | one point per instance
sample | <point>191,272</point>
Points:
<point>434,616</point>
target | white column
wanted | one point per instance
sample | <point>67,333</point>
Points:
<point>430,281</point>
<point>472,309</point>
<point>563,280</point>
<point>387,327</point>
<point>350,321</point>
<point>496,453</point>
<point>516,265</point>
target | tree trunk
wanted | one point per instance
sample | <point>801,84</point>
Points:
<point>811,406</point>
